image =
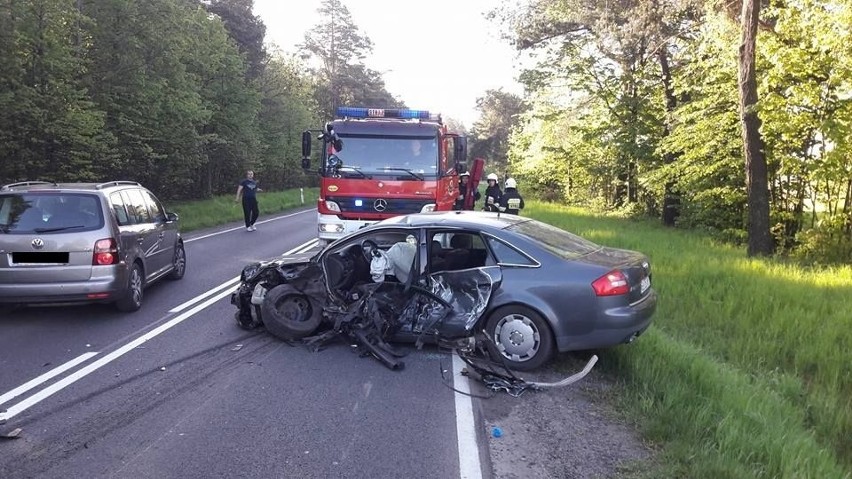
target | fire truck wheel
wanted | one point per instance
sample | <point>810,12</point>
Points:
<point>288,314</point>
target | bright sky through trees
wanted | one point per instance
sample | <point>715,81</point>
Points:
<point>438,55</point>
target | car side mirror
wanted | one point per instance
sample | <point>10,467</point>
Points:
<point>172,217</point>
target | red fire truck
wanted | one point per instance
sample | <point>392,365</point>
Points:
<point>376,163</point>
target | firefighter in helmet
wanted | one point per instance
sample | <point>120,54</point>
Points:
<point>492,193</point>
<point>511,201</point>
<point>464,184</point>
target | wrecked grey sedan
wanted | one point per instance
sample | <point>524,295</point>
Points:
<point>512,288</point>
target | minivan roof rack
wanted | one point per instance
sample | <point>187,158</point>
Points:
<point>27,183</point>
<point>117,183</point>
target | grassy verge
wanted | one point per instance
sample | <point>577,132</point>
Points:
<point>223,209</point>
<point>747,368</point>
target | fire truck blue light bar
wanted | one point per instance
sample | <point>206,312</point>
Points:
<point>357,112</point>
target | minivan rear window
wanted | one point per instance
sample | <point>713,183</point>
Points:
<point>49,212</point>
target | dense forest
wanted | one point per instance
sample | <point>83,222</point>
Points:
<point>181,95</point>
<point>638,106</point>
<point>731,117</point>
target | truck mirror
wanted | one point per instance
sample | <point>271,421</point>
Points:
<point>306,149</point>
<point>461,149</point>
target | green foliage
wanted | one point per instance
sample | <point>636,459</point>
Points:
<point>616,135</point>
<point>342,78</point>
<point>745,369</point>
<point>221,209</point>
<point>48,125</point>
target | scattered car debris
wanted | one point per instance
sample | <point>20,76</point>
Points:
<point>13,434</point>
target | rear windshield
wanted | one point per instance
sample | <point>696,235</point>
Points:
<point>49,212</point>
<point>555,240</point>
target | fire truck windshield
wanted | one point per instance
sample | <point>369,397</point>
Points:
<point>406,158</point>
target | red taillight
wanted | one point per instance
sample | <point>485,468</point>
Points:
<point>611,284</point>
<point>106,252</point>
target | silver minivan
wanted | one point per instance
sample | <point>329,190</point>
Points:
<point>85,242</point>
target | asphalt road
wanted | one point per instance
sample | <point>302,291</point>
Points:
<point>178,390</point>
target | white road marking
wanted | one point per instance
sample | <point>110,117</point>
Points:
<point>243,228</point>
<point>469,465</point>
<point>45,393</point>
<point>233,282</point>
<point>16,409</point>
<point>227,284</point>
<point>45,377</point>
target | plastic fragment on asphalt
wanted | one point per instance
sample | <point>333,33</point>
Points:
<point>163,368</point>
<point>237,347</point>
<point>13,434</point>
<point>496,431</point>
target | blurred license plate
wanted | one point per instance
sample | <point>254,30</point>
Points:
<point>646,283</point>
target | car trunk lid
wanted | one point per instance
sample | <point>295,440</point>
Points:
<point>45,258</point>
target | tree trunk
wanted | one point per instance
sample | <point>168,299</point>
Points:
<point>759,239</point>
<point>671,200</point>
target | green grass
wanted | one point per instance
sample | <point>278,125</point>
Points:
<point>746,370</point>
<point>223,209</point>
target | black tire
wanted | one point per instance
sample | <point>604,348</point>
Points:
<point>178,262</point>
<point>520,338</point>
<point>131,299</point>
<point>288,314</point>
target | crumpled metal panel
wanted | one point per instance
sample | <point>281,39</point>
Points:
<point>467,293</point>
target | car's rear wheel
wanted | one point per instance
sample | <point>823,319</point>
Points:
<point>131,300</point>
<point>178,263</point>
<point>288,314</point>
<point>519,337</point>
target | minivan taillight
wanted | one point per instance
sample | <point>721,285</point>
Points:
<point>106,252</point>
<point>611,284</point>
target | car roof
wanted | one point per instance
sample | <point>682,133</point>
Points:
<point>458,219</point>
<point>53,186</point>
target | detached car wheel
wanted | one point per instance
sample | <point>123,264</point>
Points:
<point>520,338</point>
<point>288,314</point>
<point>131,300</point>
<point>178,263</point>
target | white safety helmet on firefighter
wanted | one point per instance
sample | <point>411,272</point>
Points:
<point>511,183</point>
<point>464,174</point>
<point>492,176</point>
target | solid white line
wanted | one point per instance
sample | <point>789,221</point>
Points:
<point>45,377</point>
<point>76,376</point>
<point>227,284</point>
<point>469,465</point>
<point>307,245</point>
<point>189,240</point>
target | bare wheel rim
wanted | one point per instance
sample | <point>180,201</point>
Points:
<point>517,337</point>
<point>136,286</point>
<point>294,308</point>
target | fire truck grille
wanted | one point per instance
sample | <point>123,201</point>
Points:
<point>396,206</point>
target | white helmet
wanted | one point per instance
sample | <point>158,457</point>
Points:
<point>511,183</point>
<point>464,174</point>
<point>492,176</point>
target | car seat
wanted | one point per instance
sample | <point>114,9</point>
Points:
<point>457,257</point>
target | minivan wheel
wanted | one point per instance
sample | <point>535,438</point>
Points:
<point>178,263</point>
<point>519,338</point>
<point>131,300</point>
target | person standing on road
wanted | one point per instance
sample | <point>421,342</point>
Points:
<point>464,184</point>
<point>511,202</point>
<point>492,194</point>
<point>247,190</point>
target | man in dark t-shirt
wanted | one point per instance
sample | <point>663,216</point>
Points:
<point>247,190</point>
